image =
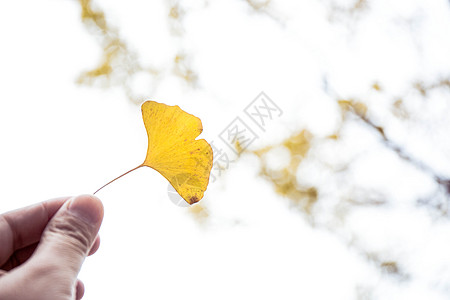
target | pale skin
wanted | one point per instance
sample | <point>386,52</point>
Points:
<point>43,246</point>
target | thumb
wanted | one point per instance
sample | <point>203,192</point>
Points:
<point>69,235</point>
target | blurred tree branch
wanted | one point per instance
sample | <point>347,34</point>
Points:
<point>360,110</point>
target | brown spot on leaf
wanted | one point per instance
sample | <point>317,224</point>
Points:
<point>193,200</point>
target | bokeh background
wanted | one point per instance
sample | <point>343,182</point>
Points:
<point>343,194</point>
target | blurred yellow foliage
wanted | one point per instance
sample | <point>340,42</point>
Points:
<point>285,180</point>
<point>425,88</point>
<point>376,86</point>
<point>399,109</point>
<point>351,105</point>
<point>199,212</point>
<point>183,70</point>
<point>117,63</point>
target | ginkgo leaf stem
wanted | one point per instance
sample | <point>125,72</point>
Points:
<point>118,178</point>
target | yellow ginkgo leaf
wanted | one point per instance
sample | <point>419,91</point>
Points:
<point>173,150</point>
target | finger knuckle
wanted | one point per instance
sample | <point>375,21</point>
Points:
<point>76,233</point>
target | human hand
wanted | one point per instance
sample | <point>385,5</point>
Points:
<point>42,248</point>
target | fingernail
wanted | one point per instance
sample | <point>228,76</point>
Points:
<point>87,207</point>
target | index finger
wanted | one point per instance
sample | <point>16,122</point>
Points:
<point>23,227</point>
